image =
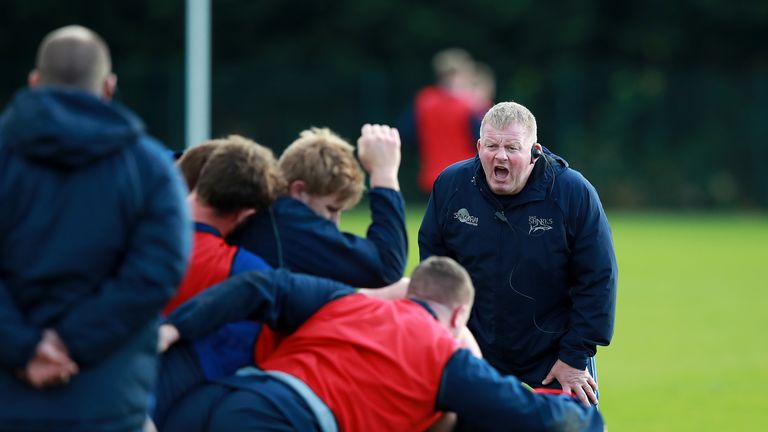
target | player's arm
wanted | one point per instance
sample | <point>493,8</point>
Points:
<point>377,260</point>
<point>484,400</point>
<point>378,150</point>
<point>280,299</point>
<point>594,274</point>
<point>388,233</point>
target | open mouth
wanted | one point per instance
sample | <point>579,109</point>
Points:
<point>500,173</point>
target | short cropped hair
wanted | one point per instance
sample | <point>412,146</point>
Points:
<point>504,114</point>
<point>238,174</point>
<point>327,165</point>
<point>76,57</point>
<point>442,280</point>
<point>192,161</point>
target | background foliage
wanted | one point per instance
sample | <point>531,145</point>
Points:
<point>659,103</point>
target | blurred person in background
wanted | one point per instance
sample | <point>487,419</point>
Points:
<point>444,117</point>
<point>533,235</point>
<point>94,241</point>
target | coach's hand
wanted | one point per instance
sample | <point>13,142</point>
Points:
<point>575,381</point>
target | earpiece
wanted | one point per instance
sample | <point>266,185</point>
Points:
<point>535,153</point>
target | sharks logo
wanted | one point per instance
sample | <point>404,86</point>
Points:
<point>464,217</point>
<point>538,226</point>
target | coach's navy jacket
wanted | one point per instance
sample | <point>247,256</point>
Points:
<point>542,262</point>
<point>292,236</point>
<point>94,239</point>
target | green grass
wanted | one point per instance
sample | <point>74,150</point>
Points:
<point>690,351</point>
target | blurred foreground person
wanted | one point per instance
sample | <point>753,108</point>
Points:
<point>95,239</point>
<point>353,363</point>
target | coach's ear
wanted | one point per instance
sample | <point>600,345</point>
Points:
<point>298,190</point>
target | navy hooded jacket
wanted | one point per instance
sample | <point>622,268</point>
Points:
<point>94,240</point>
<point>542,262</point>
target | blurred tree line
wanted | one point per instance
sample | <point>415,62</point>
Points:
<point>661,104</point>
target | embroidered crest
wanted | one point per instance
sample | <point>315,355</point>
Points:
<point>464,217</point>
<point>538,226</point>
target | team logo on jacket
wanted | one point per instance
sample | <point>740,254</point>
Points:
<point>464,217</point>
<point>538,226</point>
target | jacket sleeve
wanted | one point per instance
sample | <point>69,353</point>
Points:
<point>278,298</point>
<point>594,274</point>
<point>388,233</point>
<point>149,274</point>
<point>317,246</point>
<point>430,232</point>
<point>484,400</point>
<point>19,340</point>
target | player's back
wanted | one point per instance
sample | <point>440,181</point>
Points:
<point>374,363</point>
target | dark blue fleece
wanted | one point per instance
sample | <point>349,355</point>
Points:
<point>542,262</point>
<point>94,239</point>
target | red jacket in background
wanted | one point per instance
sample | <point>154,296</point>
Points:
<point>444,130</point>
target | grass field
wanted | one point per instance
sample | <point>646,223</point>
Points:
<point>690,351</point>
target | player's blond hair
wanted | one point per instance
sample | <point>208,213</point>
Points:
<point>327,165</point>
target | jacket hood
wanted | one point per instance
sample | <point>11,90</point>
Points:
<point>66,128</point>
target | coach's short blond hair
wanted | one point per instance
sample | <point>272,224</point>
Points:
<point>238,174</point>
<point>504,114</point>
<point>442,280</point>
<point>327,165</point>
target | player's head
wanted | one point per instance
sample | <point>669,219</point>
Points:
<point>237,174</point>
<point>321,171</point>
<point>192,160</point>
<point>74,57</point>
<point>444,283</point>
